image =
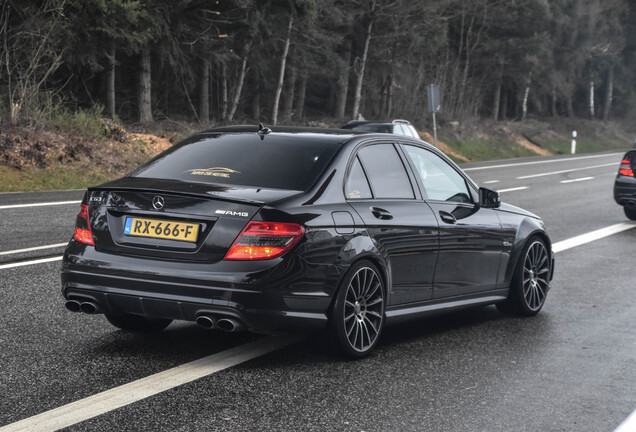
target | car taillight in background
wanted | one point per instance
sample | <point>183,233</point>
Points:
<point>626,168</point>
<point>83,232</point>
<point>264,240</point>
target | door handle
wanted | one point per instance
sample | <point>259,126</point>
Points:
<point>447,217</point>
<point>381,213</point>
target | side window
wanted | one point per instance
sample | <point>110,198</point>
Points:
<point>413,132</point>
<point>357,186</point>
<point>386,172</point>
<point>441,182</point>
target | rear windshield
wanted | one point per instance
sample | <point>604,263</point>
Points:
<point>291,162</point>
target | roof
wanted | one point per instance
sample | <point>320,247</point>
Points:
<point>337,134</point>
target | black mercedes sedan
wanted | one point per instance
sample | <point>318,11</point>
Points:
<point>252,228</point>
<point>625,185</point>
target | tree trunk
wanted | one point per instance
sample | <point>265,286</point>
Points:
<point>110,81</point>
<point>302,89</point>
<point>281,75</point>
<point>343,82</point>
<point>288,101</point>
<point>256,99</point>
<point>497,99</point>
<point>223,91</point>
<point>568,105</point>
<point>524,103</point>
<point>553,104</point>
<point>145,96</point>
<point>204,92</point>
<point>239,85</point>
<point>360,73</point>
<point>592,99</point>
<point>609,94</point>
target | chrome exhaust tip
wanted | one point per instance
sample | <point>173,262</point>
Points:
<point>90,308</point>
<point>206,322</point>
<point>73,305</point>
<point>230,325</point>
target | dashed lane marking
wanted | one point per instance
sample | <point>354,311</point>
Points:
<point>564,171</point>
<point>541,162</point>
<point>491,181</point>
<point>577,180</point>
<point>18,251</point>
<point>42,204</point>
<point>514,189</point>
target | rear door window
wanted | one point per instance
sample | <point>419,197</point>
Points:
<point>385,171</point>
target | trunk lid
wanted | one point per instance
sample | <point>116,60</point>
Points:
<point>140,216</point>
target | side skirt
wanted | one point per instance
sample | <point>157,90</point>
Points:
<point>412,311</point>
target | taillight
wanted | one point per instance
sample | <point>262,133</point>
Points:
<point>265,240</point>
<point>626,168</point>
<point>83,232</point>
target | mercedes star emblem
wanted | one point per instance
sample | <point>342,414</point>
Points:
<point>158,202</point>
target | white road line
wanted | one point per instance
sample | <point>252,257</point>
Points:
<point>564,171</point>
<point>592,236</point>
<point>629,424</point>
<point>491,181</point>
<point>17,251</point>
<point>514,189</point>
<point>26,263</point>
<point>52,203</point>
<point>543,162</point>
<point>143,388</point>
<point>577,180</point>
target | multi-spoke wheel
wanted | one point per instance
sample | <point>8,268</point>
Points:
<point>358,314</point>
<point>531,281</point>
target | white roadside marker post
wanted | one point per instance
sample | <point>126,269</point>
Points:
<point>573,142</point>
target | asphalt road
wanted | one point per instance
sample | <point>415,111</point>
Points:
<point>571,368</point>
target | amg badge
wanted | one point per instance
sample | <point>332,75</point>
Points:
<point>231,213</point>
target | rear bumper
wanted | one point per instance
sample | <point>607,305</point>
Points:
<point>282,294</point>
<point>625,191</point>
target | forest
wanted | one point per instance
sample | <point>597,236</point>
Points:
<point>316,61</point>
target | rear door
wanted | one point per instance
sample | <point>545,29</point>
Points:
<point>402,226</point>
<point>471,238</point>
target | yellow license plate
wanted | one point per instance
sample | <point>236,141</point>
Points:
<point>165,229</point>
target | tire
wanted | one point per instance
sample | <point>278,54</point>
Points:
<point>530,283</point>
<point>630,212</point>
<point>137,323</point>
<point>357,317</point>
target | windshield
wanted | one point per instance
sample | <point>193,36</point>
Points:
<point>291,162</point>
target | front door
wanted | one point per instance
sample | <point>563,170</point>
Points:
<point>471,240</point>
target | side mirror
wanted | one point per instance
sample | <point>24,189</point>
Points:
<point>489,198</point>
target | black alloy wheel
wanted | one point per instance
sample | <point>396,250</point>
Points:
<point>358,313</point>
<point>630,212</point>
<point>531,281</point>
<point>137,322</point>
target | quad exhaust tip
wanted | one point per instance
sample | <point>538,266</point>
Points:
<point>230,325</point>
<point>206,322</point>
<point>86,307</point>
<point>73,306</point>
